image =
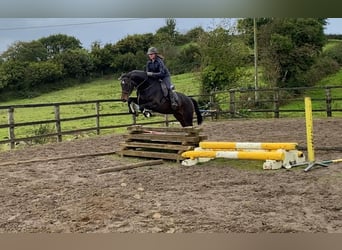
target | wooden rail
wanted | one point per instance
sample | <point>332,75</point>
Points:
<point>233,103</point>
<point>241,102</point>
<point>58,121</point>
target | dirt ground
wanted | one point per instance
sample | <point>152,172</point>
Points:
<point>70,196</point>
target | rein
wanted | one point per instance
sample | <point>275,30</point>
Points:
<point>140,84</point>
<point>135,85</point>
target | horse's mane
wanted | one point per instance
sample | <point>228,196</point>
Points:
<point>136,71</point>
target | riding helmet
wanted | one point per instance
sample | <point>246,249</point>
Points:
<point>152,50</point>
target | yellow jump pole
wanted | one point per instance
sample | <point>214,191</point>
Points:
<point>257,155</point>
<point>309,138</point>
<point>309,129</point>
<point>222,145</point>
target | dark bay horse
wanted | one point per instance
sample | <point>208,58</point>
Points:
<point>152,95</point>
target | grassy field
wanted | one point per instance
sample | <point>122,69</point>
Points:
<point>331,43</point>
<point>333,80</point>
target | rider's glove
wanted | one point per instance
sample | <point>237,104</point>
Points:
<point>149,73</point>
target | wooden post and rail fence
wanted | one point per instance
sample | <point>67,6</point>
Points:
<point>233,103</point>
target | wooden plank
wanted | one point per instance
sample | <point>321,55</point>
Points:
<point>148,154</point>
<point>203,137</point>
<point>159,137</point>
<point>140,128</point>
<point>130,166</point>
<point>141,141</point>
<point>35,160</point>
<point>134,144</point>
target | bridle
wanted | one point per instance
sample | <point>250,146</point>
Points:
<point>135,85</point>
<point>124,82</point>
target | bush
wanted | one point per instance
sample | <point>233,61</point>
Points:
<point>334,52</point>
<point>323,67</point>
<point>214,79</point>
<point>39,73</point>
<point>41,131</point>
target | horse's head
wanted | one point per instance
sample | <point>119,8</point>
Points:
<point>126,86</point>
<point>130,81</point>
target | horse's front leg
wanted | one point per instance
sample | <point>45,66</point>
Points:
<point>147,107</point>
<point>146,111</point>
<point>133,107</point>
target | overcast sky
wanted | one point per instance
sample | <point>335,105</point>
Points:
<point>104,30</point>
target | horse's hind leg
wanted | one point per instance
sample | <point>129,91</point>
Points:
<point>184,119</point>
<point>188,120</point>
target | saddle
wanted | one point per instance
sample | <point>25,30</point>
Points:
<point>164,88</point>
<point>166,91</point>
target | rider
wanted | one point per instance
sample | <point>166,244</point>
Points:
<point>156,67</point>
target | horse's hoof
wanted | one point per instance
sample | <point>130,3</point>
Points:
<point>147,114</point>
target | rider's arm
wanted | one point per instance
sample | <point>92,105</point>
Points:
<point>162,70</point>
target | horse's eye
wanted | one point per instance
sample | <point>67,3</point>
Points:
<point>122,82</point>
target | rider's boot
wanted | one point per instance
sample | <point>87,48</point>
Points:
<point>173,99</point>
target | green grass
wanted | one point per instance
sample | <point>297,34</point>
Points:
<point>331,43</point>
<point>188,83</point>
<point>99,89</point>
<point>333,80</point>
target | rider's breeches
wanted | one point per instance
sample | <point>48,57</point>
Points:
<point>167,81</point>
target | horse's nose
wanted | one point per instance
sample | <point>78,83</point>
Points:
<point>124,98</point>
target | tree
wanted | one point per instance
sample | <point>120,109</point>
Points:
<point>193,35</point>
<point>287,47</point>
<point>41,73</point>
<point>168,33</point>
<point>33,51</point>
<point>59,43</point>
<point>76,63</point>
<point>187,59</point>
<point>245,27</point>
<point>223,54</point>
<point>13,74</point>
<point>134,43</point>
<point>129,61</point>
<point>102,57</point>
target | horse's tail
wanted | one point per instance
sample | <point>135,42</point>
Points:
<point>197,111</point>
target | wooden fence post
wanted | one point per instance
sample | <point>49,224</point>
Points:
<point>11,133</point>
<point>167,123</point>
<point>276,103</point>
<point>328,101</point>
<point>58,123</point>
<point>97,110</point>
<point>134,119</point>
<point>213,106</point>
<point>232,108</point>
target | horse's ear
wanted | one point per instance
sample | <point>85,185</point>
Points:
<point>122,74</point>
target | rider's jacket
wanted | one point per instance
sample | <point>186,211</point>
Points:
<point>158,68</point>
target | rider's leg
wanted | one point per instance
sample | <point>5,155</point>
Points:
<point>172,95</point>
